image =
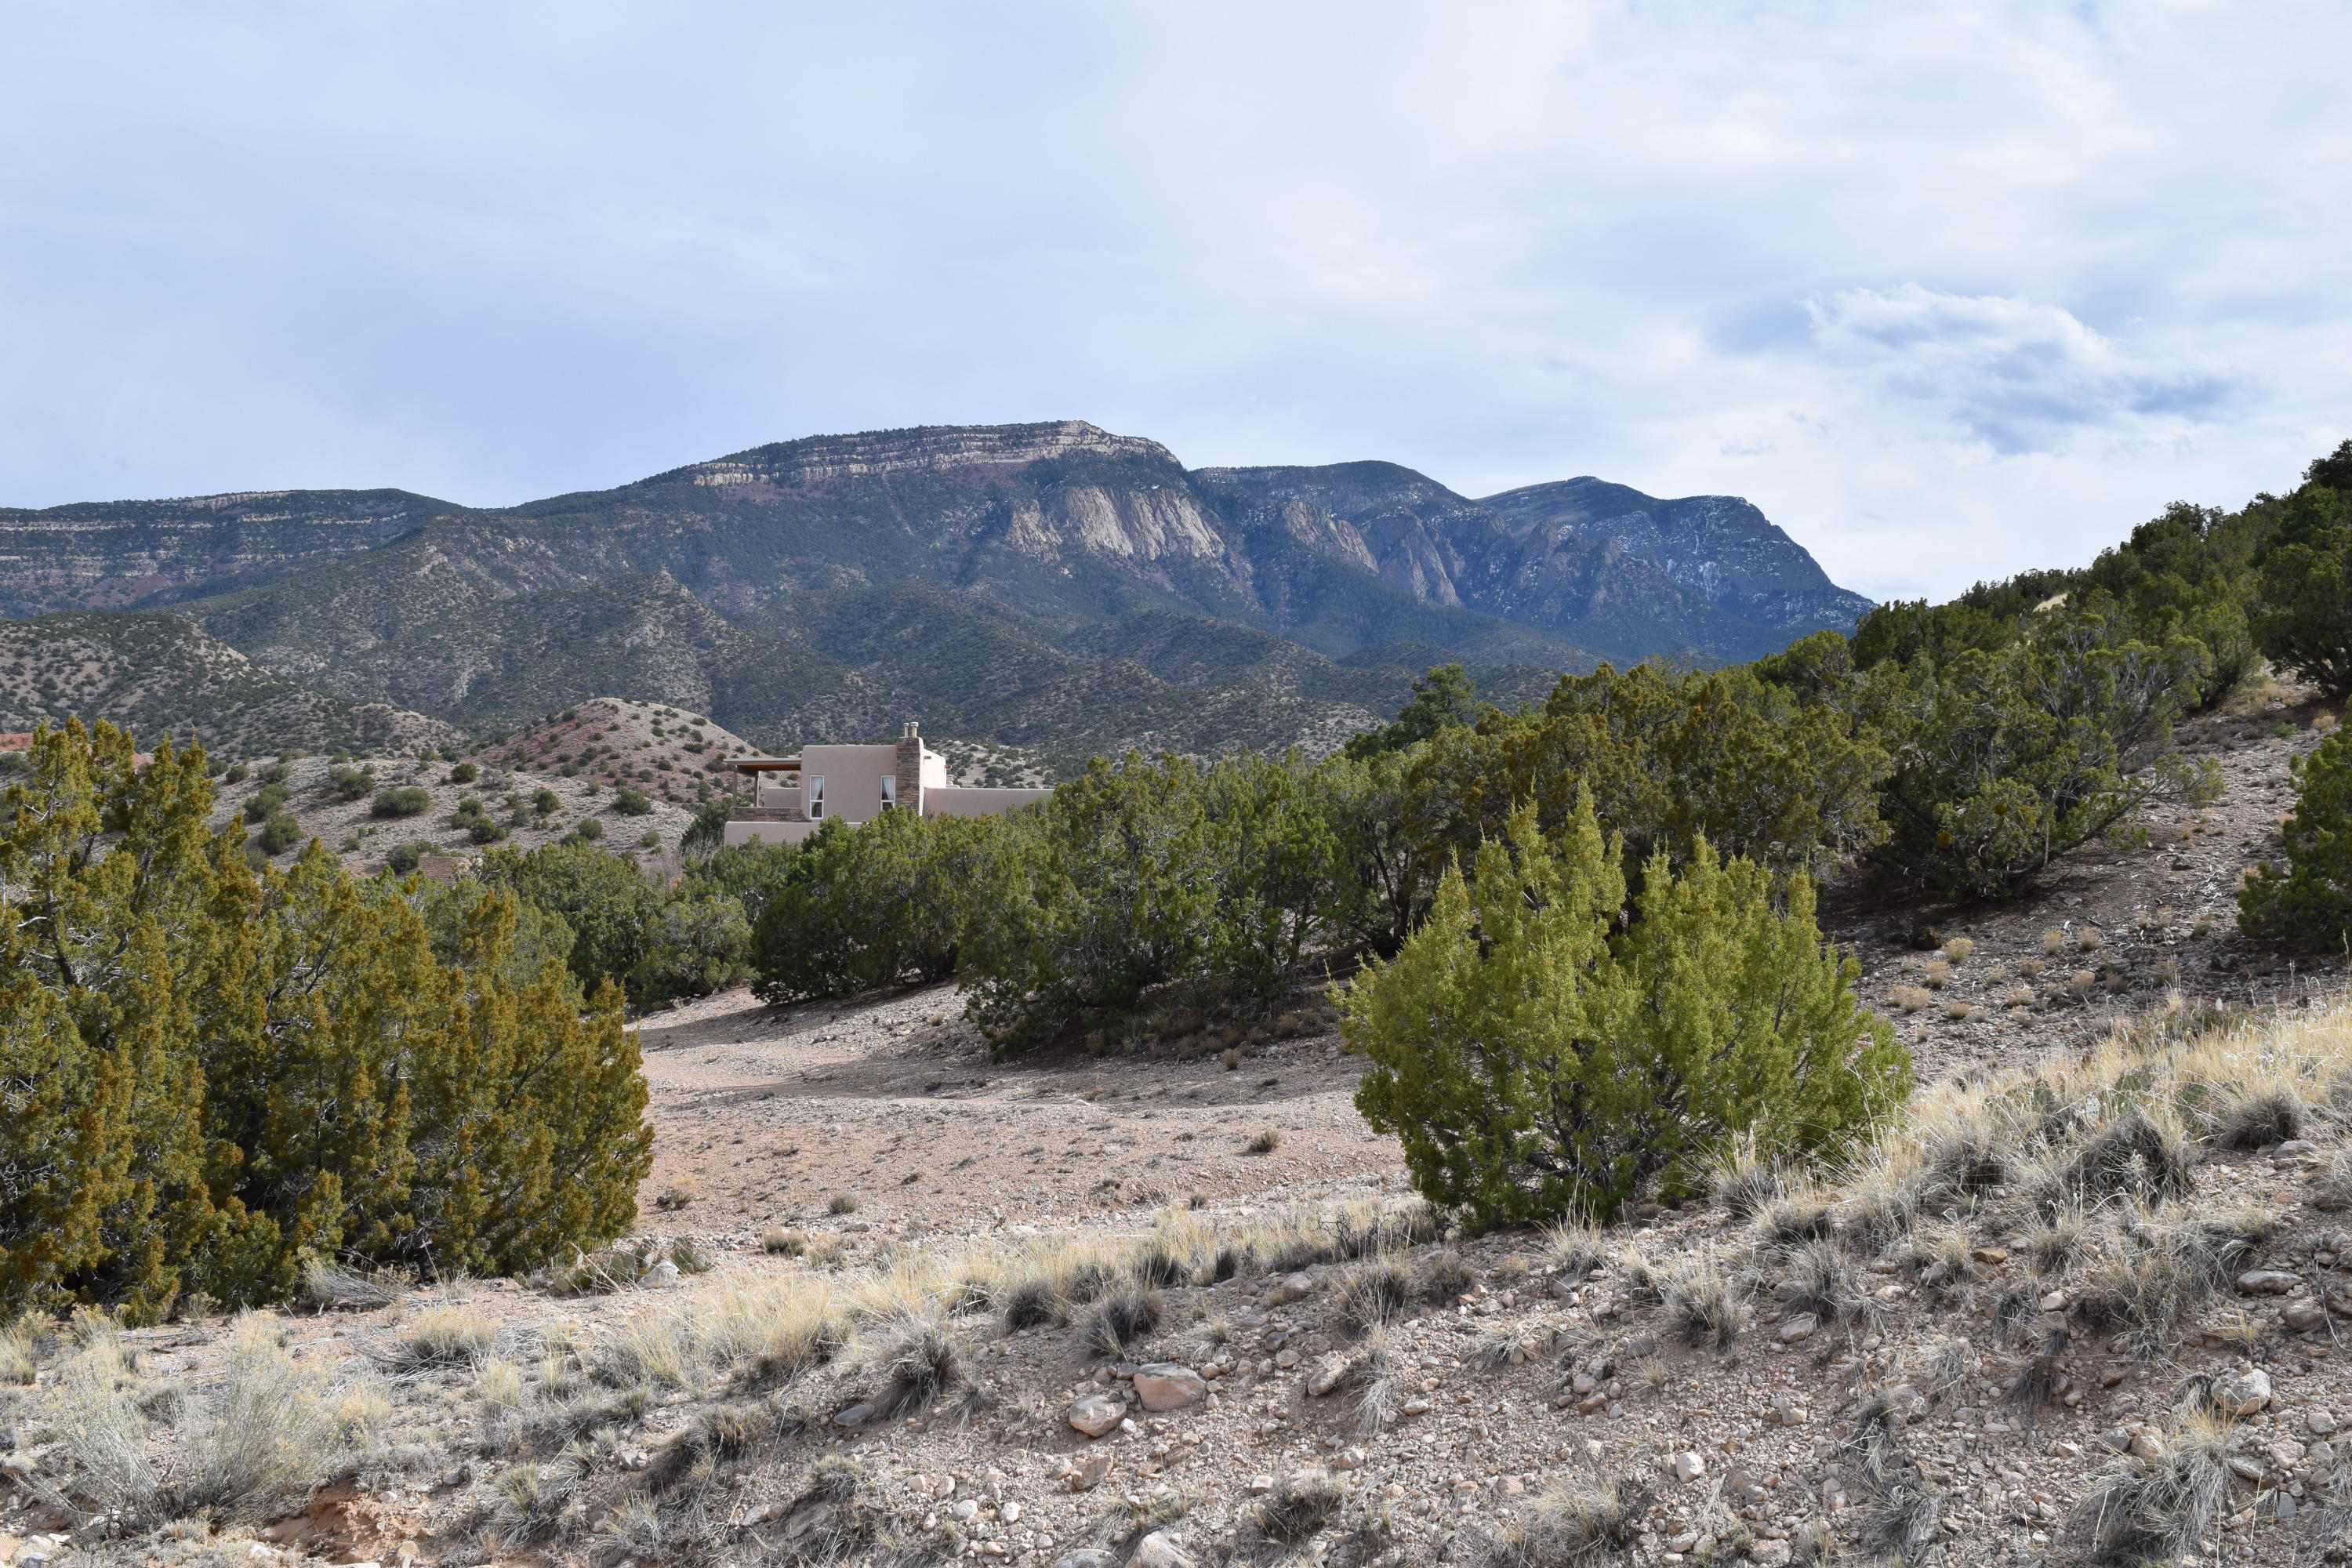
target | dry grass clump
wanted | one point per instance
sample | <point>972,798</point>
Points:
<point>919,1366</point>
<point>2053,941</point>
<point>599,1273</point>
<point>720,1432</point>
<point>1910,998</point>
<point>2260,1118</point>
<point>1935,974</point>
<point>2051,1241</point>
<point>2157,1510</point>
<point>1265,1142</point>
<point>1957,950</point>
<point>2331,1185</point>
<point>1895,1513</point>
<point>1794,1220</point>
<point>841,1203</point>
<point>1743,1180</point>
<point>1579,1524</point>
<point>2151,1274</point>
<point>263,1435</point>
<point>1301,1504</point>
<point>326,1287</point>
<point>20,1361</point>
<point>675,1195</point>
<point>1577,1249</point>
<point>1824,1281</point>
<point>1706,1301</point>
<point>778,1242</point>
<point>528,1501</point>
<point>1442,1276</point>
<point>454,1335</point>
<point>1119,1321</point>
<point>1373,1293</point>
<point>1374,1377</point>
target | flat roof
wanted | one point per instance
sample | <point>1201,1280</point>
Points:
<point>763,764</point>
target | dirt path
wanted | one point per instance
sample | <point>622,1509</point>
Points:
<point>766,1115</point>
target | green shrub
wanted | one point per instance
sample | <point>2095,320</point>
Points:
<point>400,800</point>
<point>1754,768</point>
<point>656,944</point>
<point>266,802</point>
<point>1539,1061</point>
<point>238,774</point>
<point>632,803</point>
<point>405,858</point>
<point>2304,620</point>
<point>854,908</point>
<point>463,774</point>
<point>349,783</point>
<point>2309,903</point>
<point>546,802</point>
<point>2011,757</point>
<point>591,828</point>
<point>220,1072</point>
<point>1444,698</point>
<point>1143,873</point>
<point>279,833</point>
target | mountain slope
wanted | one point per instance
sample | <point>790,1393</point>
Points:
<point>99,555</point>
<point>1007,580</point>
<point>160,674</point>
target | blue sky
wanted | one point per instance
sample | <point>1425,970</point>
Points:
<point>1947,289</point>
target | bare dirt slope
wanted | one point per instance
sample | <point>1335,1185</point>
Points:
<point>768,1115</point>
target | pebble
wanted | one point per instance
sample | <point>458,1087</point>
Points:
<point>2319,1423</point>
<point>1090,1471</point>
<point>1799,1329</point>
<point>1688,1466</point>
<point>1327,1375</point>
<point>2303,1315</point>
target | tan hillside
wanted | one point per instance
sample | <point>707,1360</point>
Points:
<point>666,752</point>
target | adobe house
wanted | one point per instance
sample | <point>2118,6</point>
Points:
<point>790,796</point>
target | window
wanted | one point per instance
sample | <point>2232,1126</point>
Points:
<point>890,791</point>
<point>815,797</point>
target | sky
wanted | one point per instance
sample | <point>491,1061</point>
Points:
<point>1949,289</point>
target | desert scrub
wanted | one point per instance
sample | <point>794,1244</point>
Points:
<point>1266,1141</point>
<point>264,1435</point>
<point>440,1337</point>
<point>1521,977</point>
<point>1583,1523</point>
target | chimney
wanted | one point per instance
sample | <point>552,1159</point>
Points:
<point>911,732</point>
<point>908,766</point>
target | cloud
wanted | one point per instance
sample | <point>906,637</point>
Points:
<point>2019,377</point>
<point>1949,288</point>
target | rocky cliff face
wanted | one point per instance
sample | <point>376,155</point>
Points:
<point>107,554</point>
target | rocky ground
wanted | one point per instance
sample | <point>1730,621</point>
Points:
<point>845,1196</point>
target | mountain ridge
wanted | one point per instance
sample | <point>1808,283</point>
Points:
<point>1042,552</point>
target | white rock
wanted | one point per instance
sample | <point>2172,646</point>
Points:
<point>2267,1282</point>
<point>1290,1287</point>
<point>1769,1554</point>
<point>662,1273</point>
<point>1799,1329</point>
<point>2319,1423</point>
<point>1688,1464</point>
<point>1165,1386</point>
<point>1260,1485</point>
<point>1096,1413</point>
<point>2242,1392</point>
<point>1327,1375</point>
<point>1010,1513</point>
<point>1156,1550</point>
